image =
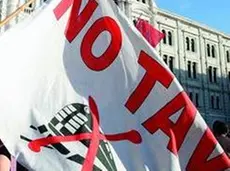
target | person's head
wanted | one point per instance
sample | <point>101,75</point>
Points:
<point>220,128</point>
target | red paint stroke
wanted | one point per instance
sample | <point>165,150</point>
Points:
<point>95,136</point>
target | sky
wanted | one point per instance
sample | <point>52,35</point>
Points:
<point>213,13</point>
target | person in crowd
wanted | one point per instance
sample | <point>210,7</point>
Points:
<point>220,130</point>
<point>5,160</point>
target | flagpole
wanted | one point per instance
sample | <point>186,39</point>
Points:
<point>15,13</point>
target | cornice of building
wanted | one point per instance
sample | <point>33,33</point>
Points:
<point>190,22</point>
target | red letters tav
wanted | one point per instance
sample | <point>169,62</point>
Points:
<point>176,131</point>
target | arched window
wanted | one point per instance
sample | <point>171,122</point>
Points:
<point>193,45</point>
<point>213,51</point>
<point>208,50</point>
<point>212,102</point>
<point>31,5</point>
<point>217,102</point>
<point>165,58</point>
<point>171,63</point>
<point>197,100</point>
<point>227,56</point>
<point>164,40</point>
<point>214,74</point>
<point>189,69</point>
<point>170,38</point>
<point>187,44</point>
<point>191,96</point>
<point>210,74</point>
<point>194,66</point>
<point>143,1</point>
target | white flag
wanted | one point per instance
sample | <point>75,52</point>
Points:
<point>82,90</point>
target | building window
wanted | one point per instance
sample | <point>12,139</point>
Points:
<point>194,69</point>
<point>214,74</point>
<point>170,38</point>
<point>213,51</point>
<point>212,102</point>
<point>143,1</point>
<point>194,99</point>
<point>169,60</point>
<point>30,5</point>
<point>197,100</point>
<point>208,50</point>
<point>217,102</point>
<point>164,39</point>
<point>191,96</point>
<point>187,44</point>
<point>210,73</point>
<point>171,63</point>
<point>193,45</point>
<point>165,58</point>
<point>227,56</point>
<point>189,69</point>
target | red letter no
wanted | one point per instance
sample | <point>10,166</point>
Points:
<point>76,23</point>
<point>107,58</point>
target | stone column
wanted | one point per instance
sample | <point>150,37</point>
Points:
<point>223,76</point>
<point>153,10</point>
<point>204,75</point>
<point>181,56</point>
<point>180,53</point>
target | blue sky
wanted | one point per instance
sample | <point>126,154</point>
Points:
<point>213,13</point>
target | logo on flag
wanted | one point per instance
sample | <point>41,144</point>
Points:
<point>75,122</point>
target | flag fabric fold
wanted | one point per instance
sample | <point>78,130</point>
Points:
<point>82,90</point>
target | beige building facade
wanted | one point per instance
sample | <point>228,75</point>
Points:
<point>198,55</point>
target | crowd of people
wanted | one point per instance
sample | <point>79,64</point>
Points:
<point>222,134</point>
<point>4,158</point>
<point>220,130</point>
